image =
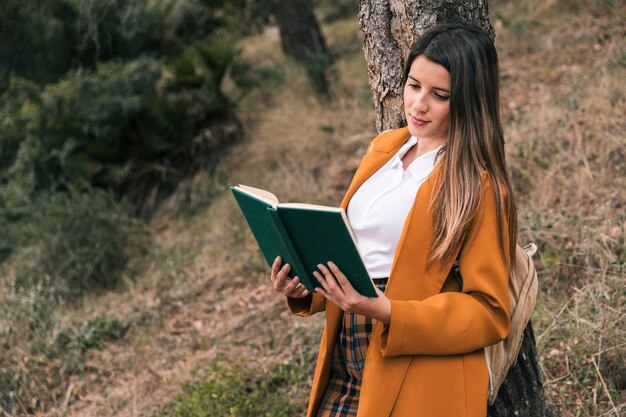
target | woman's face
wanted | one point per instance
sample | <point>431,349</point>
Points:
<point>427,100</point>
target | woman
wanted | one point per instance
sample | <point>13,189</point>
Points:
<point>423,197</point>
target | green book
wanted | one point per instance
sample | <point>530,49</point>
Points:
<point>303,235</point>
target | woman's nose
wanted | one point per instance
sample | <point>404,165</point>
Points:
<point>419,104</point>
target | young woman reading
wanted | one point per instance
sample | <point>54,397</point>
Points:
<point>424,196</point>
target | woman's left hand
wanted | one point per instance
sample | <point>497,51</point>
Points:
<point>337,288</point>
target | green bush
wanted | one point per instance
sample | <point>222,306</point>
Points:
<point>36,40</point>
<point>43,39</point>
<point>82,239</point>
<point>234,391</point>
<point>317,68</point>
<point>137,128</point>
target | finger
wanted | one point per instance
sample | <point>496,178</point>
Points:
<point>275,268</point>
<point>300,291</point>
<point>331,280</point>
<point>291,285</point>
<point>322,280</point>
<point>281,277</point>
<point>304,292</point>
<point>321,290</point>
<point>339,276</point>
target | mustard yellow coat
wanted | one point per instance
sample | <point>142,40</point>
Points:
<point>429,361</point>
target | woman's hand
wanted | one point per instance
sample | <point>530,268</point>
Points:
<point>337,288</point>
<point>291,287</point>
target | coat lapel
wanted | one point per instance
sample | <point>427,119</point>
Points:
<point>417,234</point>
<point>381,150</point>
<point>409,279</point>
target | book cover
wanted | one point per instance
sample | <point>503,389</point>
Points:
<point>271,241</point>
<point>304,235</point>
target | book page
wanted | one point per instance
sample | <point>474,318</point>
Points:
<point>310,207</point>
<point>345,219</point>
<point>262,195</point>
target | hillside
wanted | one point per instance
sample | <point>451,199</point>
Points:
<point>202,308</point>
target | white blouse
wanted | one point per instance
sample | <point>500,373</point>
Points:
<point>378,209</point>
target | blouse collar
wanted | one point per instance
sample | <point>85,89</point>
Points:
<point>421,166</point>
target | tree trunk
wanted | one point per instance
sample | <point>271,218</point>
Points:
<point>521,394</point>
<point>264,10</point>
<point>302,39</point>
<point>300,34</point>
<point>389,29</point>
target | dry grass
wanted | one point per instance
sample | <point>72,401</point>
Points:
<point>564,100</point>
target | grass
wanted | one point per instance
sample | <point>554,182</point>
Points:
<point>227,389</point>
<point>564,105</point>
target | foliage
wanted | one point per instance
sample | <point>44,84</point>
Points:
<point>106,107</point>
<point>39,352</point>
<point>136,128</point>
<point>232,390</point>
<point>41,40</point>
<point>333,10</point>
<point>81,239</point>
<point>127,29</point>
<point>36,39</point>
<point>317,70</point>
<point>238,18</point>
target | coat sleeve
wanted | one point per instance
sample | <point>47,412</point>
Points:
<point>451,323</point>
<point>304,307</point>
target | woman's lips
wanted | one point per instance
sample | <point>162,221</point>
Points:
<point>419,122</point>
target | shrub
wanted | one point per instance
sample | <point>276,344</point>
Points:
<point>232,390</point>
<point>138,128</point>
<point>81,239</point>
<point>43,39</point>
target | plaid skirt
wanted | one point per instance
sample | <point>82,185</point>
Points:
<point>342,396</point>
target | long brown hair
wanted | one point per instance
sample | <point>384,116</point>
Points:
<point>475,142</point>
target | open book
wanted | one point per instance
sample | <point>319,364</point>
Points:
<point>303,235</point>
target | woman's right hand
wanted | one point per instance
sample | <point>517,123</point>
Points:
<point>291,287</point>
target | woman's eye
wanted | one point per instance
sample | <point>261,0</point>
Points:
<point>414,86</point>
<point>442,97</point>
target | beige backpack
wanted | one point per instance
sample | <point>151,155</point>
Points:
<point>523,294</point>
<point>523,286</point>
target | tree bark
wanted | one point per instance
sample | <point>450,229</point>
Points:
<point>264,10</point>
<point>300,34</point>
<point>521,394</point>
<point>389,29</point>
<point>302,39</point>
